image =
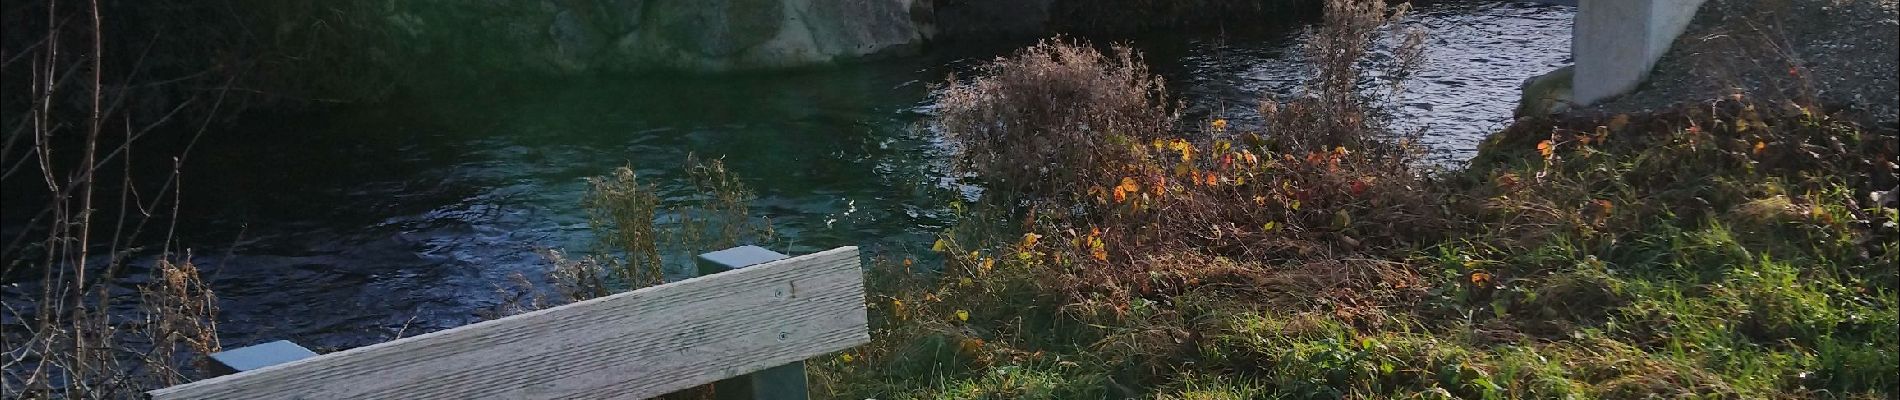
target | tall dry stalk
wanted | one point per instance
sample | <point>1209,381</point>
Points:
<point>180,314</point>
<point>634,231</point>
<point>722,218</point>
<point>75,337</point>
<point>1336,110</point>
<point>621,211</point>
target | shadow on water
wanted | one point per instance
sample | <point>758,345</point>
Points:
<point>361,220</point>
<point>355,223</point>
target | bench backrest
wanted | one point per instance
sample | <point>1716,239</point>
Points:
<point>632,345</point>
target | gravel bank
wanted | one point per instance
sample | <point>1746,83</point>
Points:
<point>1842,52</point>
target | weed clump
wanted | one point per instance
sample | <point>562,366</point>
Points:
<point>638,240</point>
<point>1053,115</point>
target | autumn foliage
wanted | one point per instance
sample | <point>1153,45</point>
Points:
<point>1736,249</point>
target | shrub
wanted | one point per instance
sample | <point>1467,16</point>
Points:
<point>1052,116</point>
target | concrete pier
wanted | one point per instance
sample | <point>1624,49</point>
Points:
<point>1617,42</point>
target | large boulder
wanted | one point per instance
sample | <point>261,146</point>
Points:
<point>473,38</point>
<point>713,35</point>
<point>1546,94</point>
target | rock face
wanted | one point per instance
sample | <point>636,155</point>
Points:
<point>1547,94</point>
<point>957,19</point>
<point>582,36</point>
<point>571,37</point>
<point>739,34</point>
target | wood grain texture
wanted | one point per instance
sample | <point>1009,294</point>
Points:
<point>631,345</point>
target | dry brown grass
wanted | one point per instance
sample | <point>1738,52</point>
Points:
<point>181,314</point>
<point>1335,110</point>
<point>639,239</point>
<point>622,212</point>
<point>1127,226</point>
<point>1324,182</point>
<point>1712,251</point>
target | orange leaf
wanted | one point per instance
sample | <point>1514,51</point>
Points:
<point>1621,120</point>
<point>971,346</point>
<point>1507,180</point>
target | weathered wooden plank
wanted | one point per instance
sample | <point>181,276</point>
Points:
<point>632,345</point>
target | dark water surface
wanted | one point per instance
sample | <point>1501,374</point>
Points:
<point>354,224</point>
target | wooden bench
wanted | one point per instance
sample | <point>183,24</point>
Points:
<point>632,345</point>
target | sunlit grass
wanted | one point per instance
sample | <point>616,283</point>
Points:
<point>1719,251</point>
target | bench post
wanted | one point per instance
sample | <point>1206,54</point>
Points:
<point>784,382</point>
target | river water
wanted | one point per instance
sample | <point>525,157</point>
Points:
<point>353,225</point>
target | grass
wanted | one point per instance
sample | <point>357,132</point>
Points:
<point>1593,280</point>
<point>1722,250</point>
<point>1716,251</point>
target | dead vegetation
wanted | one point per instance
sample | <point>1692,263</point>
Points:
<point>1313,259</point>
<point>75,322</point>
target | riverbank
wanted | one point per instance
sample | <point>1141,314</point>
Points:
<point>364,226</point>
<point>1728,249</point>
